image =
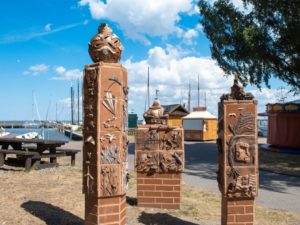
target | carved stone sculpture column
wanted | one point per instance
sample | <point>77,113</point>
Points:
<point>159,161</point>
<point>105,133</point>
<point>238,156</point>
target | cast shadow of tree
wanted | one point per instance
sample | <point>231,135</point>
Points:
<point>52,215</point>
<point>161,219</point>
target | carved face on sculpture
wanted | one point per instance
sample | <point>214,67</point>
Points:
<point>242,152</point>
<point>105,46</point>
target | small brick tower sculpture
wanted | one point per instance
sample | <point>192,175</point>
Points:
<point>105,146</point>
<point>238,156</point>
<point>159,161</point>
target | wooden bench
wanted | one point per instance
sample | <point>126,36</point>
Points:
<point>33,155</point>
<point>28,155</point>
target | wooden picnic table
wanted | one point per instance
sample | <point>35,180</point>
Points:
<point>34,149</point>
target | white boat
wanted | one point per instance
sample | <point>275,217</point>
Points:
<point>29,135</point>
<point>3,133</point>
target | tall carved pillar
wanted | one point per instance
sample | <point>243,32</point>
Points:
<point>238,156</point>
<point>105,132</point>
<point>159,161</point>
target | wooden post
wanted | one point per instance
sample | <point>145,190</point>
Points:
<point>238,156</point>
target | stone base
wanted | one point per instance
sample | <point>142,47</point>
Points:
<point>237,211</point>
<point>105,211</point>
<point>159,190</point>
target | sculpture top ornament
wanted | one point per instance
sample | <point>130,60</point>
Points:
<point>105,46</point>
<point>155,114</point>
<point>237,92</point>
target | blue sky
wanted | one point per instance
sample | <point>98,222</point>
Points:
<point>43,49</point>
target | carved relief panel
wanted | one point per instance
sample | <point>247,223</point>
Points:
<point>159,149</point>
<point>237,143</point>
<point>105,133</point>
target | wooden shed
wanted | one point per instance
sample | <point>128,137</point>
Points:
<point>283,124</point>
<point>200,126</point>
<point>175,113</point>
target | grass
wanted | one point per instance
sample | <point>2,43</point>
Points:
<point>54,197</point>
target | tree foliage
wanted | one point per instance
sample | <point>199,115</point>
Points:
<point>256,43</point>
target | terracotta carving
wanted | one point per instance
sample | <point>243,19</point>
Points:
<point>105,46</point>
<point>147,162</point>
<point>237,92</point>
<point>109,180</point>
<point>171,162</point>
<point>237,144</point>
<point>171,140</point>
<point>155,114</point>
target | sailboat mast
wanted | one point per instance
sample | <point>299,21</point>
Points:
<point>189,97</point>
<point>72,105</point>
<point>78,102</point>
<point>198,92</point>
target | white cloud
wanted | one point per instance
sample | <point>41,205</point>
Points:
<point>64,74</point>
<point>170,73</point>
<point>189,35</point>
<point>60,70</point>
<point>48,27</point>
<point>36,69</point>
<point>139,19</point>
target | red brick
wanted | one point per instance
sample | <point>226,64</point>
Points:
<point>109,201</point>
<point>164,200</point>
<point>109,209</point>
<point>145,187</point>
<point>153,193</point>
<point>171,194</point>
<point>230,218</point>
<point>235,210</point>
<point>109,218</point>
<point>244,218</point>
<point>176,200</point>
<point>249,209</point>
<point>140,193</point>
<point>177,188</point>
<point>244,202</point>
<point>164,188</point>
<point>174,182</point>
<point>164,175</point>
<point>123,214</point>
<point>152,181</point>
<point>146,200</point>
<point>140,181</point>
<point>149,205</point>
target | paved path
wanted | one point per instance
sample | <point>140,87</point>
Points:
<point>276,191</point>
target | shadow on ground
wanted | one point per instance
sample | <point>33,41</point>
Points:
<point>161,219</point>
<point>131,201</point>
<point>52,215</point>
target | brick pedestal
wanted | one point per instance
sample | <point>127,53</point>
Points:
<point>237,212</point>
<point>105,143</point>
<point>159,162</point>
<point>107,211</point>
<point>159,190</point>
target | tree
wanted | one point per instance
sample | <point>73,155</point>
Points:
<point>256,43</point>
